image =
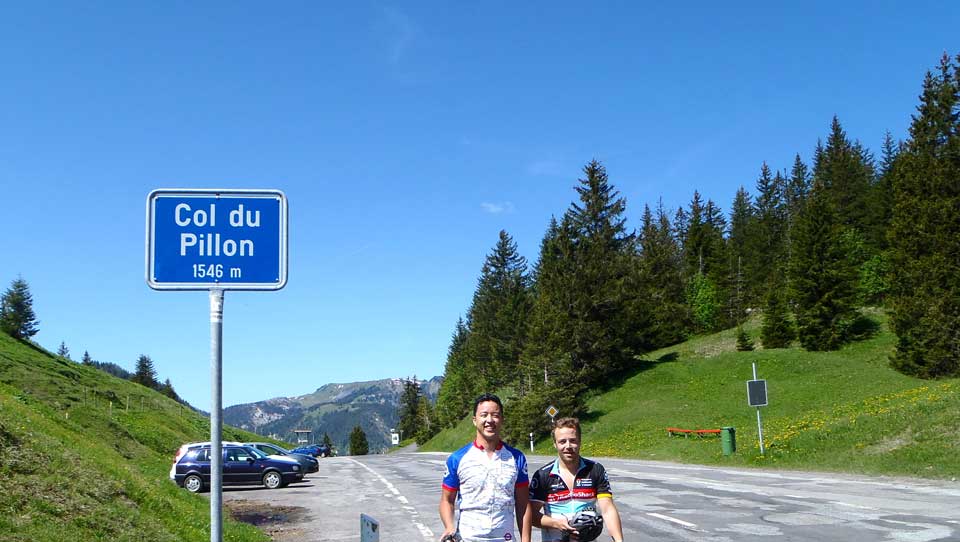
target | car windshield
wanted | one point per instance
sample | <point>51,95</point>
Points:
<point>256,453</point>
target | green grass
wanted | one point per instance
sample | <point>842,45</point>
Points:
<point>74,459</point>
<point>843,411</point>
<point>451,439</point>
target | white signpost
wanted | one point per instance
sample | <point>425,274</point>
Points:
<point>216,240</point>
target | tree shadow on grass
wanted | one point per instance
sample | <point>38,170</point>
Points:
<point>591,416</point>
<point>864,328</point>
<point>669,356</point>
<point>639,365</point>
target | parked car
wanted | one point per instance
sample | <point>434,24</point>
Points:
<point>316,450</point>
<point>307,462</point>
<point>242,465</point>
<point>184,448</point>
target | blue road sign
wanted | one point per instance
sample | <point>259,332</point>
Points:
<point>227,239</point>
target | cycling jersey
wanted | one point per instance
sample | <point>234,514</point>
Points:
<point>487,487</point>
<point>547,487</point>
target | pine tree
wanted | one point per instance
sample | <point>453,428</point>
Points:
<point>822,278</point>
<point>881,194</point>
<point>681,224</point>
<point>743,256</point>
<point>145,374</point>
<point>797,188</point>
<point>588,319</point>
<point>17,318</point>
<point>604,312</point>
<point>409,407</point>
<point>776,330</point>
<point>326,440</point>
<point>707,268</point>
<point>925,233</point>
<point>86,360</point>
<point>454,399</point>
<point>694,237</point>
<point>661,276</point>
<point>358,442</point>
<point>426,424</point>
<point>546,353</point>
<point>498,318</point>
<point>770,211</point>
<point>744,342</point>
<point>63,351</point>
<point>844,170</point>
<point>167,389</point>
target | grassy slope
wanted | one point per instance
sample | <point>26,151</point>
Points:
<point>834,411</point>
<point>451,439</point>
<point>73,463</point>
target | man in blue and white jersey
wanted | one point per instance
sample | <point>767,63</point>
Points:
<point>489,479</point>
<point>571,483</point>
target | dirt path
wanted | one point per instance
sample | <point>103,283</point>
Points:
<point>281,523</point>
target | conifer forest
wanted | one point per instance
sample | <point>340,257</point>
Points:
<point>803,249</point>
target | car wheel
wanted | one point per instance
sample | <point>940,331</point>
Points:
<point>193,483</point>
<point>272,480</point>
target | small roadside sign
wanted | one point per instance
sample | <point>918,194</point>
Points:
<point>228,239</point>
<point>552,411</point>
<point>369,529</point>
<point>757,393</point>
<point>757,397</point>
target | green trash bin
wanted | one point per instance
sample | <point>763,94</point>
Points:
<point>728,440</point>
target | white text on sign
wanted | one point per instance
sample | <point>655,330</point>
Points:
<point>213,244</point>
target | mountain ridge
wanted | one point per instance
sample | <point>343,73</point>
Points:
<point>334,408</point>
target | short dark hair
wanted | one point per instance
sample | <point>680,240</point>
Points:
<point>565,423</point>
<point>484,398</point>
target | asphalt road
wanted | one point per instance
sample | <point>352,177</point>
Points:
<point>657,501</point>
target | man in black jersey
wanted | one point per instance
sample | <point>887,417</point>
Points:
<point>571,483</point>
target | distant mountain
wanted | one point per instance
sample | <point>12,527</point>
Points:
<point>334,409</point>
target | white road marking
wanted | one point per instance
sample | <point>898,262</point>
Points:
<point>838,503</point>
<point>673,520</point>
<point>424,530</point>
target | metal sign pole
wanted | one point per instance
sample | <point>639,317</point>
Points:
<point>760,431</point>
<point>216,422</point>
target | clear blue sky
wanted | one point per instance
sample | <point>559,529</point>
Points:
<point>405,136</point>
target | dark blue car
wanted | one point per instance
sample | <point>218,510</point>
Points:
<point>316,450</point>
<point>242,465</point>
<point>307,462</point>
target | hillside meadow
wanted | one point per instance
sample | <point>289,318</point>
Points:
<point>85,453</point>
<point>843,411</point>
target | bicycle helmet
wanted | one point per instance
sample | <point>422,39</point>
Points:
<point>588,523</point>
